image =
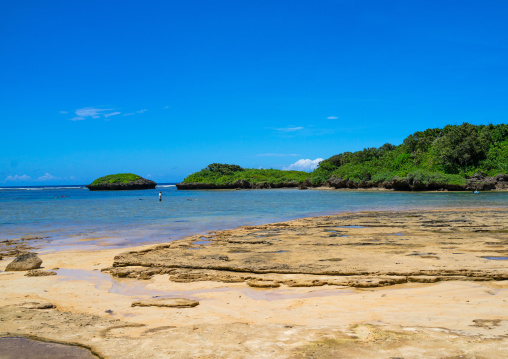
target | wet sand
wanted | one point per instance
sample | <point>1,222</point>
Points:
<point>361,306</point>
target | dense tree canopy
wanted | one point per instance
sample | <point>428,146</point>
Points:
<point>445,155</point>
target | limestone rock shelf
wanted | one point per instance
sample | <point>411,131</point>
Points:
<point>366,249</point>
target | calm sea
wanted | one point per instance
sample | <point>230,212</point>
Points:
<point>74,217</point>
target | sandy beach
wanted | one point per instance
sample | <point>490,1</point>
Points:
<point>415,284</point>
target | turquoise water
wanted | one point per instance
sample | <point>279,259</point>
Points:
<point>75,217</point>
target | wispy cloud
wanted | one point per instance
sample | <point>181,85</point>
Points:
<point>277,155</point>
<point>90,112</point>
<point>303,165</point>
<point>17,178</point>
<point>87,113</point>
<point>111,114</point>
<point>44,178</point>
<point>290,129</point>
<point>165,107</point>
<point>64,112</point>
<point>133,113</point>
<point>332,118</point>
<point>47,177</point>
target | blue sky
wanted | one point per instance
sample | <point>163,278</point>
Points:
<point>163,88</point>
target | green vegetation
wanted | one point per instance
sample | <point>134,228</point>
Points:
<point>446,155</point>
<point>220,174</point>
<point>430,158</point>
<point>118,178</point>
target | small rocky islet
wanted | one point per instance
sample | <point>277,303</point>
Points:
<point>120,182</point>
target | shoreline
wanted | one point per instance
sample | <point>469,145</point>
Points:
<point>234,320</point>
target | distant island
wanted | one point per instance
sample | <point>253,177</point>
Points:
<point>456,158</point>
<point>121,181</point>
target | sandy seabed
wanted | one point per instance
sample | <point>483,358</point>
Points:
<point>416,284</point>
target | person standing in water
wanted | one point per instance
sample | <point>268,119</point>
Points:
<point>160,196</point>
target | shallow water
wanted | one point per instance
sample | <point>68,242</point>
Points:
<point>21,348</point>
<point>73,217</point>
<point>135,288</point>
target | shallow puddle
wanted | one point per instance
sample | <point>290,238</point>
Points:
<point>497,258</point>
<point>201,242</point>
<point>137,288</point>
<point>103,281</point>
<point>352,227</point>
<point>17,348</point>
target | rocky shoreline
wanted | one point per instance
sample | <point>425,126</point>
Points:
<point>141,183</point>
<point>240,184</point>
<point>351,285</point>
<point>356,250</point>
<point>476,182</point>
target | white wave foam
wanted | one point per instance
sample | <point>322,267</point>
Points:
<point>62,187</point>
<point>166,185</point>
<point>27,189</point>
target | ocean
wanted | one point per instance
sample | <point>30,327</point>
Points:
<point>72,217</point>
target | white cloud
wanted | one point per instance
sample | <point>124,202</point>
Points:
<point>133,113</point>
<point>290,129</point>
<point>90,112</point>
<point>87,113</point>
<point>332,118</point>
<point>303,165</point>
<point>47,177</point>
<point>276,155</point>
<point>111,114</point>
<point>17,178</point>
<point>64,112</point>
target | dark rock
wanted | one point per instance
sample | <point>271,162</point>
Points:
<point>218,257</point>
<point>31,238</point>
<point>476,182</point>
<point>39,273</point>
<point>140,183</point>
<point>261,185</point>
<point>196,185</point>
<point>502,178</point>
<point>24,262</point>
<point>241,183</point>
<point>38,305</point>
<point>337,182</point>
<point>171,303</point>
<point>364,184</point>
<point>477,177</point>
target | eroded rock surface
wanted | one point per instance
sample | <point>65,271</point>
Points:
<point>19,246</point>
<point>39,273</point>
<point>24,262</point>
<point>171,303</point>
<point>367,249</point>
